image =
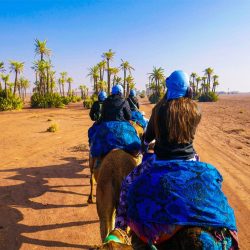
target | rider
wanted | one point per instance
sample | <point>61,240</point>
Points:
<point>115,107</point>
<point>174,120</point>
<point>132,100</point>
<point>96,109</point>
<point>173,125</point>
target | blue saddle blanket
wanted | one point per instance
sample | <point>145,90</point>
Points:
<point>179,193</point>
<point>114,134</point>
<point>138,117</point>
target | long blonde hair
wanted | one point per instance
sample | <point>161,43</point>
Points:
<point>179,118</point>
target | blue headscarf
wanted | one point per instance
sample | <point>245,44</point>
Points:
<point>177,84</point>
<point>117,89</point>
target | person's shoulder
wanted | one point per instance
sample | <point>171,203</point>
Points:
<point>96,103</point>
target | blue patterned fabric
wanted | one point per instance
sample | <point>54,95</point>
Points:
<point>114,134</point>
<point>92,130</point>
<point>138,117</point>
<point>179,193</point>
<point>210,243</point>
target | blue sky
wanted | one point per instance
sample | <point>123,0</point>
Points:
<point>173,34</point>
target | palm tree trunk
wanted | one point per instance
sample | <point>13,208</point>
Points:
<point>47,81</point>
<point>15,85</point>
<point>124,81</point>
<point>5,88</point>
<point>108,77</point>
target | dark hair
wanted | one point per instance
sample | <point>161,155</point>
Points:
<point>179,118</point>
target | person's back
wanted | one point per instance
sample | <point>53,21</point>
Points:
<point>173,122</point>
<point>96,109</point>
<point>115,107</point>
<point>132,101</point>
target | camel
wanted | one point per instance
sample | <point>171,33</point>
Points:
<point>115,166</point>
<point>109,172</point>
<point>93,161</point>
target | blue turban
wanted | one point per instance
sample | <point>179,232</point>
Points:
<point>117,89</point>
<point>177,84</point>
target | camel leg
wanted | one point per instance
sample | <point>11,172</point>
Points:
<point>91,164</point>
<point>105,208</point>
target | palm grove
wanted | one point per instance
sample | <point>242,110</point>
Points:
<point>104,76</point>
<point>50,91</point>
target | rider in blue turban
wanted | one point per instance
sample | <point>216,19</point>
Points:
<point>177,84</point>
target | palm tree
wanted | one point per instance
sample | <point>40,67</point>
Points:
<point>130,83</point>
<point>52,80</point>
<point>157,76</point>
<point>63,80</point>
<point>47,66</point>
<point>125,66</point>
<point>114,72</point>
<point>2,67</point>
<point>198,79</point>
<point>94,75</point>
<point>1,70</point>
<point>69,81</point>
<point>215,82</point>
<point>102,85</point>
<point>5,79</point>
<point>23,84</point>
<point>193,76</point>
<point>117,80</point>
<point>208,73</point>
<point>17,67</point>
<point>84,91</point>
<point>101,66</point>
<point>108,56</point>
<point>60,86</point>
<point>204,85</point>
<point>41,49</point>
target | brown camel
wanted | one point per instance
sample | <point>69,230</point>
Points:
<point>96,161</point>
<point>115,166</point>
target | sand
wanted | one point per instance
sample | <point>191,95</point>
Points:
<point>45,177</point>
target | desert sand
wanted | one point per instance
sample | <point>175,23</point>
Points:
<point>45,177</point>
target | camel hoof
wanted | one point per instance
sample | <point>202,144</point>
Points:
<point>90,200</point>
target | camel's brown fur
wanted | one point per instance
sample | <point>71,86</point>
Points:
<point>116,165</point>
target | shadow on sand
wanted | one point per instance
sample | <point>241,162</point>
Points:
<point>20,195</point>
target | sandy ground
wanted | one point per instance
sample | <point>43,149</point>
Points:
<point>45,177</point>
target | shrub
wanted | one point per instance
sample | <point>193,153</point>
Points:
<point>142,95</point>
<point>154,98</point>
<point>88,102</point>
<point>208,97</point>
<point>53,127</point>
<point>49,100</point>
<point>10,103</point>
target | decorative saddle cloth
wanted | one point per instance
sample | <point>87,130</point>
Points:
<point>138,117</point>
<point>177,193</point>
<point>110,135</point>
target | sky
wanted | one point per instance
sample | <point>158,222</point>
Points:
<point>173,34</point>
